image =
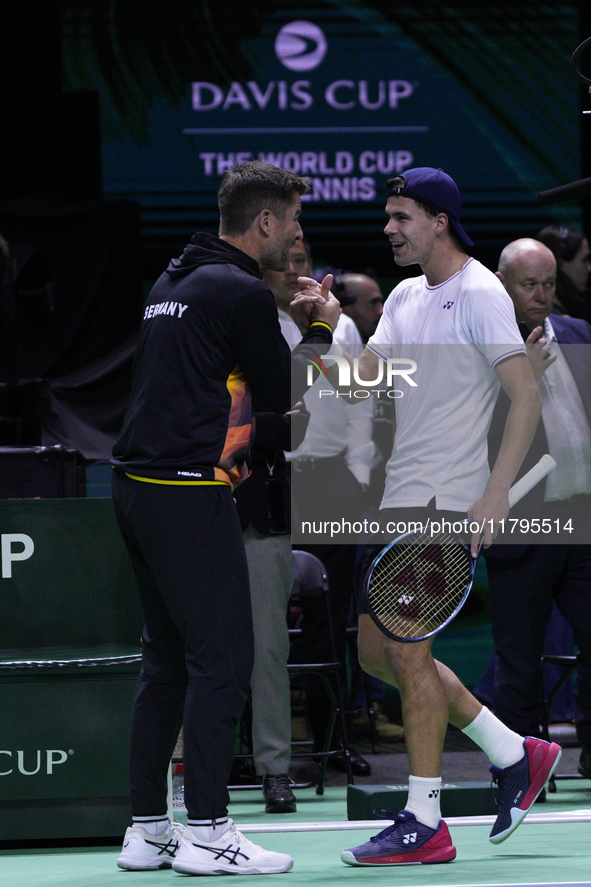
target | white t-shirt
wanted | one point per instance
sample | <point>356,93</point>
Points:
<point>346,332</point>
<point>456,333</point>
<point>289,328</point>
<point>566,426</point>
<point>334,424</point>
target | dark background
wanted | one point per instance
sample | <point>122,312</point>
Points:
<point>51,147</point>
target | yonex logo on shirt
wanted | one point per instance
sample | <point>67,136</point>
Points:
<point>448,304</point>
<point>165,308</point>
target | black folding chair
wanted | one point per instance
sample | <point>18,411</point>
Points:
<point>310,580</point>
<point>569,664</point>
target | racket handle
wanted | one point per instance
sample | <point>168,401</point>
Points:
<point>529,480</point>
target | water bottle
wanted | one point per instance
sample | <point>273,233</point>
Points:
<point>178,789</point>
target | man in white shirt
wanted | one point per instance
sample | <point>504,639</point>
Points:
<point>284,286</point>
<point>438,465</point>
<point>329,471</point>
<point>525,579</point>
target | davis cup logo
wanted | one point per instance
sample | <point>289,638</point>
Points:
<point>300,46</point>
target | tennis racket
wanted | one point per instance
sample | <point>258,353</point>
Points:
<point>419,582</point>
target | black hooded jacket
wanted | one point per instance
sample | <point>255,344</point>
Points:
<point>210,338</point>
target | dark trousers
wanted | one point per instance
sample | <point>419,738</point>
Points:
<point>521,593</point>
<point>186,548</point>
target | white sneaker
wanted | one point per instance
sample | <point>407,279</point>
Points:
<point>144,852</point>
<point>231,854</point>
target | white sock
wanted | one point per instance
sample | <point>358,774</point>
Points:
<point>424,799</point>
<point>502,746</point>
<point>209,830</point>
<point>153,825</point>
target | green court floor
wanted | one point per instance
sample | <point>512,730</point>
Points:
<point>537,854</point>
<point>247,807</point>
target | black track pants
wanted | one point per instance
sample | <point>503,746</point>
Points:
<point>187,552</point>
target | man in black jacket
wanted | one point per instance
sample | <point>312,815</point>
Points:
<point>525,579</point>
<point>209,341</point>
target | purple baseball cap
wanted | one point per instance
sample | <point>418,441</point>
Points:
<point>435,187</point>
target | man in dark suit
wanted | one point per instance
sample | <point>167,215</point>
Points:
<point>524,580</point>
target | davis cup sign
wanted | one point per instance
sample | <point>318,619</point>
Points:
<point>345,94</point>
<point>307,92</point>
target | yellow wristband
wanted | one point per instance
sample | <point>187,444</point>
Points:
<point>321,323</point>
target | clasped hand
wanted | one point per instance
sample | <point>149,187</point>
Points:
<point>315,301</point>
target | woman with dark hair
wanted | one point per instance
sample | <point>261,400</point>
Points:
<point>573,264</point>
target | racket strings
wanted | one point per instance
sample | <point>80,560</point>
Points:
<point>419,583</point>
